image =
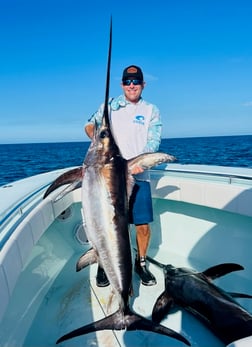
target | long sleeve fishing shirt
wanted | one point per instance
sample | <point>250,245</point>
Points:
<point>136,127</point>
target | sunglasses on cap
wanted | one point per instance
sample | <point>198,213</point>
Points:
<point>135,82</point>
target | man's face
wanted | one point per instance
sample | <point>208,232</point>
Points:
<point>133,91</point>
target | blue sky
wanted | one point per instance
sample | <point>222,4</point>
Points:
<point>196,56</point>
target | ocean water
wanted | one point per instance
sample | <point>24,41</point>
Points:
<point>19,161</point>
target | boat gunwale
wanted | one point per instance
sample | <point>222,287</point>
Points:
<point>18,206</point>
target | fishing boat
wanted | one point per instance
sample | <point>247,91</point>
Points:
<point>202,217</point>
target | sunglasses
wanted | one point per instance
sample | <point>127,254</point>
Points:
<point>135,82</point>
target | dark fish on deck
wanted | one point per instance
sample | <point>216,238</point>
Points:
<point>106,185</point>
<point>195,292</point>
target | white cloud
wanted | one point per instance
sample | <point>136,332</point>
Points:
<point>150,77</point>
<point>247,104</point>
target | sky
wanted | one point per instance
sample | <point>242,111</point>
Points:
<point>196,56</point>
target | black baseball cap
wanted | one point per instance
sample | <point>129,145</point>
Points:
<point>132,72</point>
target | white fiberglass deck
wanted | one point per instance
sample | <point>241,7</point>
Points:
<point>51,299</point>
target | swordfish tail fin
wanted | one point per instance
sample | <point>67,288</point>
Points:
<point>120,321</point>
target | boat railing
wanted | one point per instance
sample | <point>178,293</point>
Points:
<point>11,219</point>
<point>19,205</point>
<point>228,175</point>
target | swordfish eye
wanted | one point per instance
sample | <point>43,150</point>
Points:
<point>104,133</point>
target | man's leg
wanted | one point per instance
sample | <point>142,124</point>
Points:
<point>142,238</point>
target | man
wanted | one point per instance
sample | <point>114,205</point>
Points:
<point>136,127</point>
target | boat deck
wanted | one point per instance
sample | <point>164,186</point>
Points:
<point>200,221</point>
<point>79,302</point>
<point>63,300</point>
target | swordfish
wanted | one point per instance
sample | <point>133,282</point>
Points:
<point>106,186</point>
<point>196,293</point>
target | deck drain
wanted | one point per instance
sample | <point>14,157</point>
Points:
<point>80,234</point>
<point>65,214</point>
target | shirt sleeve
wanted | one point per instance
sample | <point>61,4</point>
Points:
<point>154,132</point>
<point>96,117</point>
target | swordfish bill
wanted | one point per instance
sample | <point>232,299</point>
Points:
<point>105,209</point>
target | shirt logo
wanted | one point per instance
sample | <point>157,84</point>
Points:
<point>139,119</point>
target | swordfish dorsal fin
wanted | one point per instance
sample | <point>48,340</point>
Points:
<point>221,270</point>
<point>73,177</point>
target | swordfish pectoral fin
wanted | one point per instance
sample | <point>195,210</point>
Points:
<point>88,258</point>
<point>240,295</point>
<point>221,270</point>
<point>162,307</point>
<point>119,321</point>
<point>148,160</point>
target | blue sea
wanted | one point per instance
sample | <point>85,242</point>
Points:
<point>18,161</point>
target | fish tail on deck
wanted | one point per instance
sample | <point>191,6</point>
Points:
<point>121,321</point>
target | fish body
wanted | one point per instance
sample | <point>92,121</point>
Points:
<point>105,209</point>
<point>195,292</point>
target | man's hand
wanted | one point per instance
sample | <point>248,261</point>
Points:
<point>136,169</point>
<point>89,129</point>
